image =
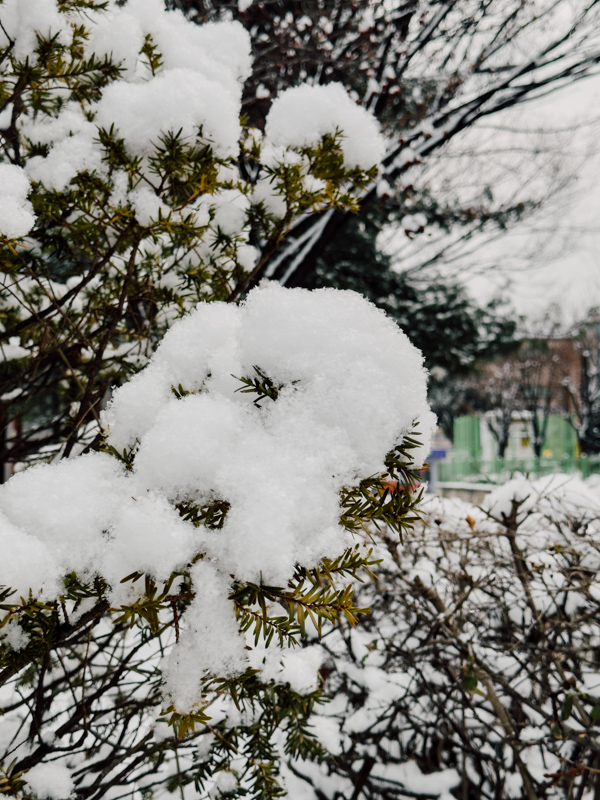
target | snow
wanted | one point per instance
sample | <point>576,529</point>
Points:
<point>65,160</point>
<point>293,455</point>
<point>219,51</point>
<point>210,642</point>
<point>50,780</point>
<point>298,667</point>
<point>327,731</point>
<point>14,636</point>
<point>265,192</point>
<point>350,385</point>
<point>413,223</point>
<point>499,502</point>
<point>226,781</point>
<point>16,212</point>
<point>230,212</point>
<point>554,495</point>
<point>147,205</point>
<point>22,19</point>
<point>147,535</point>
<point>65,507</point>
<point>176,100</point>
<point>301,116</point>
<point>393,709</point>
<point>27,562</point>
<point>13,349</point>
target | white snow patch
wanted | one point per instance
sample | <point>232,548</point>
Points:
<point>50,780</point>
<point>301,116</point>
<point>16,212</point>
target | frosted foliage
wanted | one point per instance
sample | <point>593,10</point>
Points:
<point>299,117</point>
<point>177,99</point>
<point>350,385</point>
<point>74,154</point>
<point>74,149</point>
<point>16,212</point>
<point>218,51</point>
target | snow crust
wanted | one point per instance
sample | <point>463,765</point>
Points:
<point>301,116</point>
<point>16,212</point>
<point>349,384</point>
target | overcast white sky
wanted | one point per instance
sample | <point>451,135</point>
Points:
<point>560,249</point>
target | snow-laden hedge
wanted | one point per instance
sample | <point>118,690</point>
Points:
<point>478,672</point>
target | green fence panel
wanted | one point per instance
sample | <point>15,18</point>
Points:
<point>459,468</point>
<point>560,440</point>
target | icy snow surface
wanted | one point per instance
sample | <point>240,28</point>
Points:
<point>350,384</point>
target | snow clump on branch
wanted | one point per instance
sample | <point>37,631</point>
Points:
<point>299,117</point>
<point>16,212</point>
<point>346,385</point>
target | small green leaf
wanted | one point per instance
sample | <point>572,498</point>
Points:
<point>568,706</point>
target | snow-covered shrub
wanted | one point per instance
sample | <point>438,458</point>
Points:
<point>137,192</point>
<point>478,672</point>
<point>214,506</point>
<point>202,472</point>
<point>219,517</point>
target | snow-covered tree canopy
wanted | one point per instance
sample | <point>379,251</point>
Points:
<point>438,76</point>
